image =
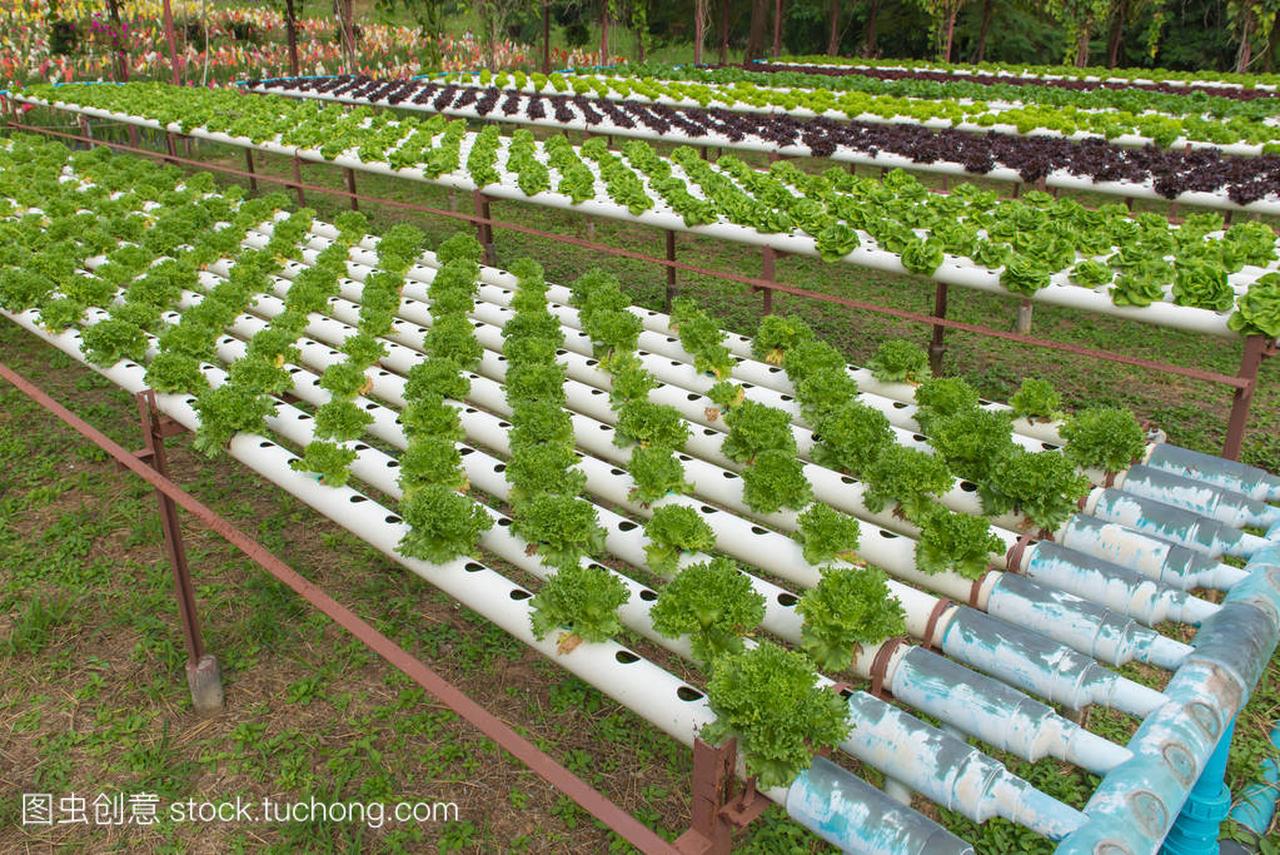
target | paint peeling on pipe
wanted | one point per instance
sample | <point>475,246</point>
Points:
<point>1175,565</point>
<point>1257,484</point>
<point>1115,639</point>
<point>1227,507</point>
<point>1040,665</point>
<point>1176,525</point>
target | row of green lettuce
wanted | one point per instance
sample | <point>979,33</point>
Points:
<point>1140,259</point>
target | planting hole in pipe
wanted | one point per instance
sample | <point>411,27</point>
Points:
<point>518,594</point>
<point>648,596</point>
<point>918,437</point>
<point>504,521</point>
<point>787,601</point>
<point>898,405</point>
<point>626,657</point>
<point>266,443</point>
<point>968,486</point>
<point>302,417</point>
<point>887,535</point>
<point>392,519</point>
<point>357,499</point>
<point>693,396</point>
<point>627,525</point>
<point>689,694</point>
<point>472,567</point>
<point>729,475</point>
<point>1049,446</point>
<point>393,464</point>
<point>757,530</point>
<point>499,467</point>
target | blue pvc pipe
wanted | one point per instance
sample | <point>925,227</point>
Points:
<point>1195,831</point>
<point>1257,805</point>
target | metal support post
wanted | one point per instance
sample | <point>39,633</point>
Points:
<point>248,162</point>
<point>1023,324</point>
<point>937,345</point>
<point>484,230</point>
<point>204,677</point>
<point>297,180</point>
<point>351,188</point>
<point>671,271</point>
<point>768,267</point>
<point>1255,349</point>
<point>717,810</point>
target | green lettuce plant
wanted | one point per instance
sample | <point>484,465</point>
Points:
<point>1045,487</point>
<point>583,601</point>
<point>1107,438</point>
<point>1036,400</point>
<point>714,604</point>
<point>329,460</point>
<point>906,477</point>
<point>847,608</point>
<point>851,437</point>
<point>826,534</point>
<point>899,361</point>
<point>775,481</point>
<point>959,543</point>
<point>657,472</point>
<point>672,531</point>
<point>769,698</point>
<point>754,428</point>
<point>561,528</point>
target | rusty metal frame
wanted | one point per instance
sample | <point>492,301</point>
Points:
<point>149,465</point>
<point>1243,383</point>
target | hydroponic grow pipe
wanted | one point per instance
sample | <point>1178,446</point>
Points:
<point>676,369</point>
<point>1163,601</point>
<point>869,820</point>
<point>952,271</point>
<point>1253,482</point>
<point>1121,589</point>
<point>987,711</point>
<point>889,739</point>
<point>1003,794</point>
<point>1129,139</point>
<point>1256,803</point>
<point>1057,179</point>
<point>975,648</point>
<point>1136,803</point>
<point>979,70</point>
<point>1083,572</point>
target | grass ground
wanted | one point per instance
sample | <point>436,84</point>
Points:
<point>93,696</point>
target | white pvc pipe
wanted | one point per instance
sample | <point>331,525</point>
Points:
<point>953,270</point>
<point>1059,178</point>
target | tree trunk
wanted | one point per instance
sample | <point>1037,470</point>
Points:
<point>777,29</point>
<point>724,32</point>
<point>833,28</point>
<point>869,42</point>
<point>755,35</point>
<point>348,35</point>
<point>604,33</point>
<point>122,56</point>
<point>546,36</point>
<point>1116,38</point>
<point>699,18</point>
<point>951,33</point>
<point>1245,54</point>
<point>1082,45</point>
<point>980,52</point>
<point>291,36</point>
